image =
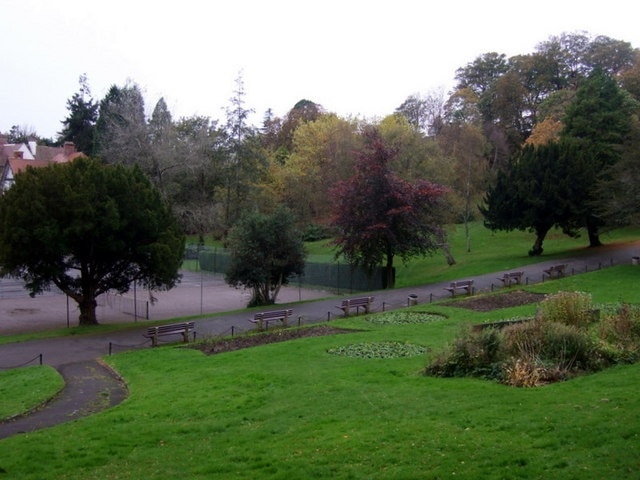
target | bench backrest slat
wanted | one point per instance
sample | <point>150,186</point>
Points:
<point>174,327</point>
<point>274,314</point>
<point>353,302</point>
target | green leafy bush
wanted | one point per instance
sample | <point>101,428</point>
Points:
<point>472,353</point>
<point>314,232</point>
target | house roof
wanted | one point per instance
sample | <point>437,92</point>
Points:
<point>20,164</point>
<point>14,159</point>
<point>8,151</point>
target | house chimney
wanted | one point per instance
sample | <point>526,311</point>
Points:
<point>69,148</point>
<point>18,154</point>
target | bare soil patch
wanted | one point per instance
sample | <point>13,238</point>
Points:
<point>487,303</point>
<point>274,336</point>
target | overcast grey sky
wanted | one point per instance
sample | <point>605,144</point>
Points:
<point>354,57</point>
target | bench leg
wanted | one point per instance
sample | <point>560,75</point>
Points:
<point>154,341</point>
<point>185,336</point>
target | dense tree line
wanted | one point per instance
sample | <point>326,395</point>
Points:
<point>507,117</point>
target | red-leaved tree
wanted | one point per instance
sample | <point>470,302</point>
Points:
<point>379,216</point>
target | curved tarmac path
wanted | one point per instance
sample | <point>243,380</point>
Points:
<point>90,386</point>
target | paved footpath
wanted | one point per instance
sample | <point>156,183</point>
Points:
<point>86,378</point>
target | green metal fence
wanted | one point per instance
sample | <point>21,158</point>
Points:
<point>334,276</point>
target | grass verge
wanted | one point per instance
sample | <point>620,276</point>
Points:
<point>23,389</point>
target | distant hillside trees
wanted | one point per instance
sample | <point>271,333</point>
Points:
<point>471,140</point>
<point>556,184</point>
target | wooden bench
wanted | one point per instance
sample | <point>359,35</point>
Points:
<point>555,270</point>
<point>262,319</point>
<point>460,285</point>
<point>357,303</point>
<point>183,329</point>
<point>511,278</point>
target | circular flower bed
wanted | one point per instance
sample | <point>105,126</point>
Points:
<point>404,318</point>
<point>379,350</point>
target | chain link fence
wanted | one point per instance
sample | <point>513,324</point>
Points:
<point>333,276</point>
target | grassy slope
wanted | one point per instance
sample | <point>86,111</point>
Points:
<point>489,252</point>
<point>290,410</point>
<point>25,388</point>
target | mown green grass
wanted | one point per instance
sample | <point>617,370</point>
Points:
<point>23,389</point>
<point>291,410</point>
<point>488,252</point>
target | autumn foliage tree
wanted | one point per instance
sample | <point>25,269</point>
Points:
<point>379,216</point>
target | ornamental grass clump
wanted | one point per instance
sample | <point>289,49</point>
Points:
<point>619,334</point>
<point>541,352</point>
<point>569,308</point>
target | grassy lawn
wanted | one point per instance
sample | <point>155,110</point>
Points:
<point>291,410</point>
<point>489,252</point>
<point>22,389</point>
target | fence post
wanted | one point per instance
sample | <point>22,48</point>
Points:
<point>40,359</point>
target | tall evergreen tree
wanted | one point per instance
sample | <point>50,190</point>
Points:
<point>79,126</point>
<point>242,154</point>
<point>121,127</point>
<point>597,124</point>
<point>535,194</point>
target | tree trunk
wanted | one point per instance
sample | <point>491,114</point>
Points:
<point>444,246</point>
<point>592,231</point>
<point>391,278</point>
<point>541,233</point>
<point>87,307</point>
<point>276,289</point>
